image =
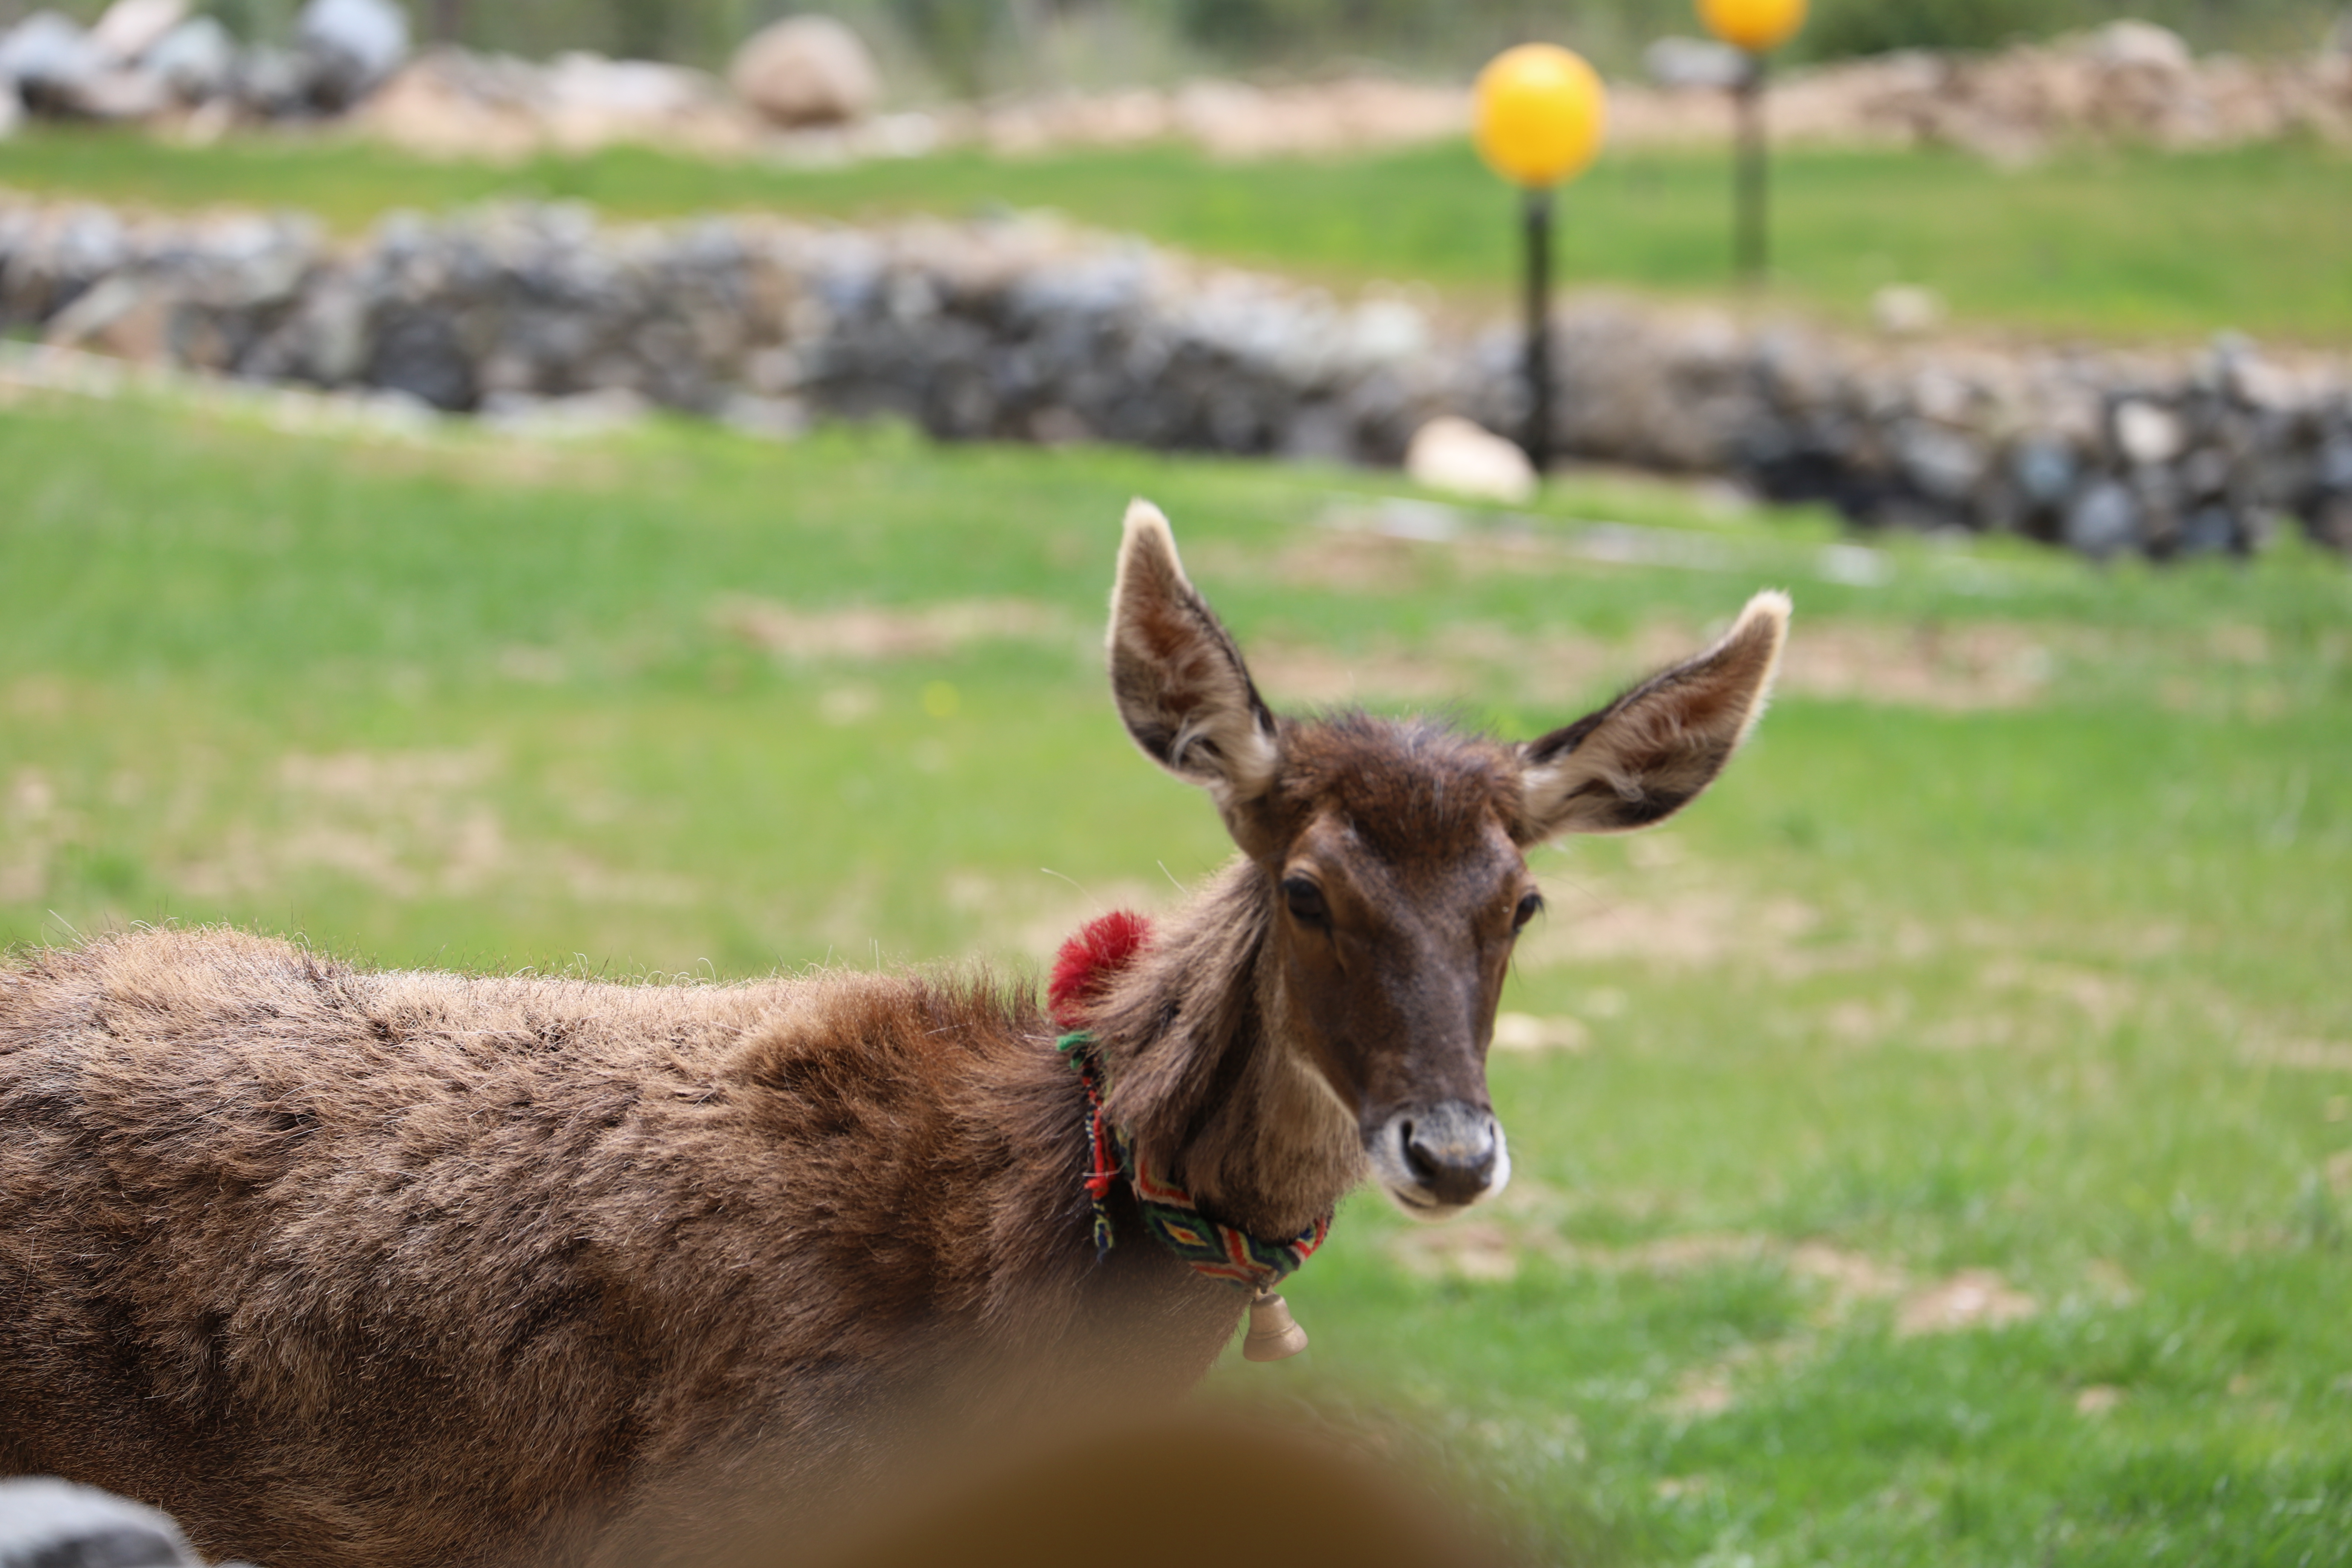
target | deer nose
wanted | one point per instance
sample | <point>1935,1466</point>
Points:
<point>1450,1148</point>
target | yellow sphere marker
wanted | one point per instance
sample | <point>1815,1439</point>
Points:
<point>1756,25</point>
<point>1540,113</point>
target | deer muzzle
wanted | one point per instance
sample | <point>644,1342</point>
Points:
<point>1437,1160</point>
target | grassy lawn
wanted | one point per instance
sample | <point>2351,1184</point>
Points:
<point>1943,1149</point>
<point>2118,245</point>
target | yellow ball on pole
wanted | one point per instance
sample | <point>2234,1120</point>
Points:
<point>1756,25</point>
<point>1540,113</point>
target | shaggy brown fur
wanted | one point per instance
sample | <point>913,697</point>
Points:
<point>367,1269</point>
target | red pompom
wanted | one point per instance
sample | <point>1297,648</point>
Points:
<point>1087,961</point>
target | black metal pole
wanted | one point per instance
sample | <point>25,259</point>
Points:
<point>1538,215</point>
<point>1749,243</point>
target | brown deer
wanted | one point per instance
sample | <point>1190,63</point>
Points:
<point>352,1267</point>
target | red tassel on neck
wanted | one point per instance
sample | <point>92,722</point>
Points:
<point>1084,968</point>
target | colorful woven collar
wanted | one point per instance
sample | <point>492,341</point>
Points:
<point>1220,1251</point>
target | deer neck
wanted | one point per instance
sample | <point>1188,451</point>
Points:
<point>1208,1083</point>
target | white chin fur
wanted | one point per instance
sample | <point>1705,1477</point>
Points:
<point>1415,1201</point>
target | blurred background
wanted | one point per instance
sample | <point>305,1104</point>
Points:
<point>936,48</point>
<point>615,488</point>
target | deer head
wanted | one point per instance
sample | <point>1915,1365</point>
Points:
<point>1390,855</point>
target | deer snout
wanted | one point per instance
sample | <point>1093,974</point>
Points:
<point>1434,1161</point>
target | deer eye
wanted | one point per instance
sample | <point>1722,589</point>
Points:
<point>1306,901</point>
<point>1529,906</point>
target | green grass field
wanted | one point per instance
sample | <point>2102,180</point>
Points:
<point>2110,244</point>
<point>1942,1148</point>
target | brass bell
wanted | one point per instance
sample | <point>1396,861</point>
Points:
<point>1274,1333</point>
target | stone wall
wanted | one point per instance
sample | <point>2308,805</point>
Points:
<point>2105,451</point>
<point>1025,329</point>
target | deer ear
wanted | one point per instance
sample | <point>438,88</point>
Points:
<point>1649,754</point>
<point>1179,679</point>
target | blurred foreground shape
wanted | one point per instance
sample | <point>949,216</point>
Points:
<point>1198,1489</point>
<point>49,1523</point>
<point>1203,1487</point>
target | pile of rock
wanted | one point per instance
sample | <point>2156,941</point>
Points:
<point>1020,330</point>
<point>152,60</point>
<point>148,59</point>
<point>807,88</point>
<point>805,71</point>
<point>2127,83</point>
<point>1025,329</point>
<point>452,103</point>
<point>805,84</point>
<point>2104,451</point>
<point>1227,118</point>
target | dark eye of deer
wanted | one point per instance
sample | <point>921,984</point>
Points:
<point>1306,901</point>
<point>1529,906</point>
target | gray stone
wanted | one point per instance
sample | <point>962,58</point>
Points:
<point>2140,44</point>
<point>2043,470</point>
<point>1389,332</point>
<point>2205,473</point>
<point>2146,433</point>
<point>2330,521</point>
<point>2163,504</point>
<point>47,55</point>
<point>272,82</point>
<point>50,1523</point>
<point>1320,433</point>
<point>807,70</point>
<point>2104,519</point>
<point>419,352</point>
<point>1452,454</point>
<point>2209,531</point>
<point>1945,464</point>
<point>335,337</point>
<point>1694,63</point>
<point>352,46</point>
<point>129,28</point>
<point>114,95</point>
<point>196,60</point>
<point>2334,469</point>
